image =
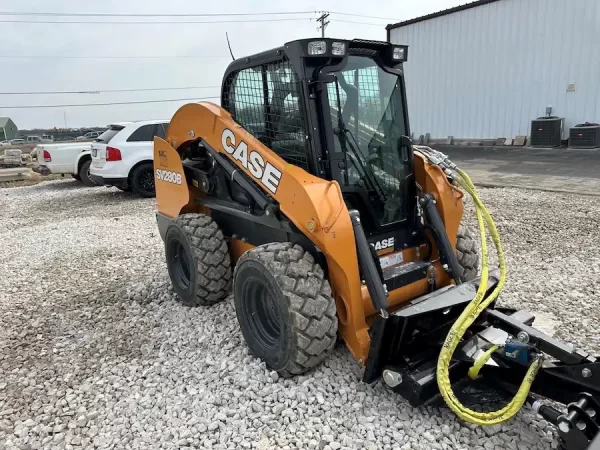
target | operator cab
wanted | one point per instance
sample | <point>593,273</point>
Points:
<point>337,109</point>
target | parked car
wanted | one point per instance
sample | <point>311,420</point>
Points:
<point>89,136</point>
<point>17,142</point>
<point>37,140</point>
<point>123,156</point>
<point>5,144</point>
<point>73,159</point>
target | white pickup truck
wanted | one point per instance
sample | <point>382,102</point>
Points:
<point>72,158</point>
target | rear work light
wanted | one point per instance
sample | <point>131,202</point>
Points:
<point>47,157</point>
<point>113,154</point>
<point>338,48</point>
<point>400,53</point>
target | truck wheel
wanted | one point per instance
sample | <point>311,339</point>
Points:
<point>467,253</point>
<point>284,306</point>
<point>198,260</point>
<point>142,180</point>
<point>76,176</point>
<point>84,174</point>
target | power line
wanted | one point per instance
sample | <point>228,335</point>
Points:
<point>61,14</point>
<point>361,23</point>
<point>111,57</point>
<point>362,15</point>
<point>195,99</point>
<point>110,90</point>
<point>95,22</point>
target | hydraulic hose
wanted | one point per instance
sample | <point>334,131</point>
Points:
<point>472,311</point>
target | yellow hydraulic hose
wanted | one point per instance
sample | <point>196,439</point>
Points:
<point>471,312</point>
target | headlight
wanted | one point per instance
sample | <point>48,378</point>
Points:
<point>317,48</point>
<point>338,48</point>
<point>399,54</point>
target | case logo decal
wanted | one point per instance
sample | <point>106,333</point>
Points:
<point>253,161</point>
<point>385,244</point>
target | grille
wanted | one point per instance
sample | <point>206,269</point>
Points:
<point>585,135</point>
<point>546,132</point>
<point>265,101</point>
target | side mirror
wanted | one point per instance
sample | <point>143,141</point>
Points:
<point>405,149</point>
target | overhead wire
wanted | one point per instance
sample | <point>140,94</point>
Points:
<point>98,91</point>
<point>154,22</point>
<point>268,13</point>
<point>194,99</point>
<point>360,23</point>
<point>113,57</point>
<point>69,14</point>
<point>361,15</point>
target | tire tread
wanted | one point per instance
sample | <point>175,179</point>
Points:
<point>467,253</point>
<point>213,268</point>
<point>309,301</point>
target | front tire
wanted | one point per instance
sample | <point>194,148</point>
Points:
<point>284,306</point>
<point>76,176</point>
<point>467,253</point>
<point>198,260</point>
<point>142,180</point>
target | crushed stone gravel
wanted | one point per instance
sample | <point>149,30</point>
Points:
<point>95,352</point>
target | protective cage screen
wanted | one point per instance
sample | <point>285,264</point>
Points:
<point>265,101</point>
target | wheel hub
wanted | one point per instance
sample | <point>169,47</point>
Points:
<point>262,312</point>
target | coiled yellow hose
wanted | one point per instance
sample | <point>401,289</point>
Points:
<point>471,312</point>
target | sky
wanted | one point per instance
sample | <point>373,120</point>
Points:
<point>33,55</point>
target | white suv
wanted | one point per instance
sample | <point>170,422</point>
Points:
<point>123,156</point>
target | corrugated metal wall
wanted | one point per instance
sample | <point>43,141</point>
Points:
<point>486,72</point>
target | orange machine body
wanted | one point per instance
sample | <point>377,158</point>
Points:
<point>314,205</point>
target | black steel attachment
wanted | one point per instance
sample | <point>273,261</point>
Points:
<point>406,347</point>
<point>412,338</point>
<point>579,428</point>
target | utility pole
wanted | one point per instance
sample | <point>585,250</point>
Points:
<point>65,117</point>
<point>323,23</point>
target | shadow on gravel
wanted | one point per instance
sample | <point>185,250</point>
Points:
<point>63,185</point>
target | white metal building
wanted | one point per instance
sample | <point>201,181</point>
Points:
<point>484,70</point>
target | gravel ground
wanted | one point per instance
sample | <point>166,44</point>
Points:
<point>96,353</point>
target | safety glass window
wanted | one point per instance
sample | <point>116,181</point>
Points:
<point>286,128</point>
<point>366,109</point>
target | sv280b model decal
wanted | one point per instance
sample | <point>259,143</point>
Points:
<point>168,176</point>
<point>266,173</point>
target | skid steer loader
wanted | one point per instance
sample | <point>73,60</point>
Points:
<point>303,195</point>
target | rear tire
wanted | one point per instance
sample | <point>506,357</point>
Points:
<point>84,174</point>
<point>284,306</point>
<point>467,253</point>
<point>76,176</point>
<point>198,260</point>
<point>142,180</point>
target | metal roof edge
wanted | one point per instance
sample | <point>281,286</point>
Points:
<point>444,12</point>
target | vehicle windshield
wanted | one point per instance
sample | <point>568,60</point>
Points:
<point>367,113</point>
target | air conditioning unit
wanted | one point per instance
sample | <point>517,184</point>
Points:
<point>584,135</point>
<point>546,132</point>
